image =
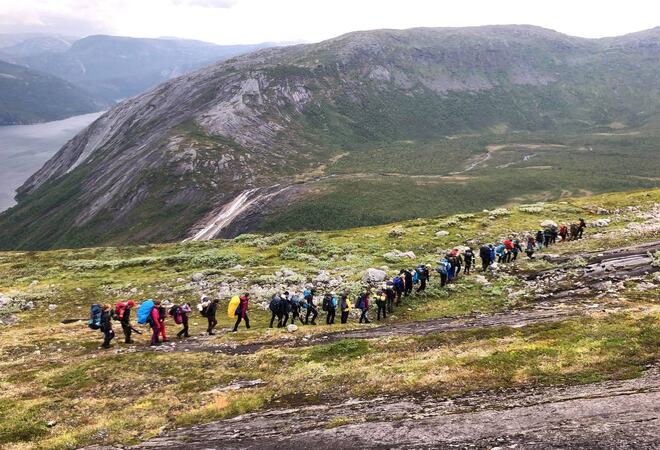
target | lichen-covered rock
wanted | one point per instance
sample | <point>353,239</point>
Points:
<point>442,233</point>
<point>374,276</point>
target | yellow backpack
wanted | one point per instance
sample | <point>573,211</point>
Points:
<point>349,306</point>
<point>233,305</point>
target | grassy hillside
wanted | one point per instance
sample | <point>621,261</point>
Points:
<point>60,391</point>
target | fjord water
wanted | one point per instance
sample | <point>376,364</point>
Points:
<point>25,148</point>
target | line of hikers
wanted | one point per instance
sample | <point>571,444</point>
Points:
<point>287,306</point>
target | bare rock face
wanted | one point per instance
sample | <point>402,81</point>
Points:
<point>374,276</point>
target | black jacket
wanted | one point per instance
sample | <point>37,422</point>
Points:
<point>212,309</point>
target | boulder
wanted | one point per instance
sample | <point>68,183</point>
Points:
<point>197,277</point>
<point>322,277</point>
<point>549,224</point>
<point>396,232</point>
<point>600,223</point>
<point>396,255</point>
<point>442,233</point>
<point>374,276</point>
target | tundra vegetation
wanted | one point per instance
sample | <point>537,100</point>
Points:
<point>58,390</point>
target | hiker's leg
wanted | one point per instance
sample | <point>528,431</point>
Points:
<point>238,321</point>
<point>247,321</point>
<point>272,319</point>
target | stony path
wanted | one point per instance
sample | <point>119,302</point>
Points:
<point>606,415</point>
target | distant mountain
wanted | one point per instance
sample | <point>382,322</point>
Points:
<point>22,45</point>
<point>365,128</point>
<point>28,96</point>
<point>113,67</point>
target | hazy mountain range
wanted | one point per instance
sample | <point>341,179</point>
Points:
<point>104,69</point>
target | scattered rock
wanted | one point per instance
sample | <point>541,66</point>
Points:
<point>291,328</point>
<point>442,233</point>
<point>396,232</point>
<point>51,423</point>
<point>600,223</point>
<point>52,307</point>
<point>396,255</point>
<point>197,277</point>
<point>374,276</point>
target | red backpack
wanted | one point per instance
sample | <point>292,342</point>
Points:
<point>119,310</point>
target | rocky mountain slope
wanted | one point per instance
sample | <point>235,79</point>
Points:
<point>29,96</point>
<point>418,122</point>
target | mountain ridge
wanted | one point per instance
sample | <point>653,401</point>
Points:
<point>159,163</point>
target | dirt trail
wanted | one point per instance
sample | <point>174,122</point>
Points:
<point>606,415</point>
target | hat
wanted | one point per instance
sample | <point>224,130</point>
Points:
<point>130,303</point>
<point>167,303</point>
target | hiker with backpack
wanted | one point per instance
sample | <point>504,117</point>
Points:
<point>285,309</point>
<point>311,308</point>
<point>390,296</point>
<point>154,322</point>
<point>539,239</point>
<point>516,249</point>
<point>123,314</point>
<point>275,309</point>
<point>468,256</point>
<point>241,312</point>
<point>211,311</point>
<point>484,254</point>
<point>106,325</point>
<point>330,307</point>
<point>531,247</point>
<point>181,317</point>
<point>422,276</point>
<point>363,305</point>
<point>381,304</point>
<point>581,226</point>
<point>563,232</point>
<point>443,271</point>
<point>295,305</point>
<point>346,306</point>
<point>407,281</point>
<point>162,315</point>
<point>399,287</point>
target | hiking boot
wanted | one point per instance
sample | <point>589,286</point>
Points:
<point>130,341</point>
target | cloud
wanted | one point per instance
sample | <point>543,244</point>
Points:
<point>207,3</point>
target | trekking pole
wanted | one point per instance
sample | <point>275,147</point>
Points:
<point>136,331</point>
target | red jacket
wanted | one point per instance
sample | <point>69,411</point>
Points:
<point>155,318</point>
<point>243,306</point>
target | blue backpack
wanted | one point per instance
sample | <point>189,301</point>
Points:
<point>398,283</point>
<point>307,294</point>
<point>94,321</point>
<point>443,268</point>
<point>144,311</point>
<point>415,277</point>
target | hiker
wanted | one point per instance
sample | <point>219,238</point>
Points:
<point>443,270</point>
<point>492,254</point>
<point>422,276</point>
<point>547,237</point>
<point>242,311</point>
<point>330,307</point>
<point>399,287</point>
<point>363,305</point>
<point>184,313</point>
<point>456,261</point>
<point>407,281</point>
<point>381,304</point>
<point>508,250</point>
<point>162,315</point>
<point>154,323</point>
<point>345,305</point>
<point>499,251</point>
<point>531,246</point>
<point>311,308</point>
<point>123,314</point>
<point>515,250</point>
<point>553,235</point>
<point>581,226</point>
<point>563,232</point>
<point>390,296</point>
<point>106,325</point>
<point>275,309</point>
<point>484,254</point>
<point>574,232</point>
<point>468,257</point>
<point>211,311</point>
<point>539,239</point>
<point>295,305</point>
<point>285,309</point>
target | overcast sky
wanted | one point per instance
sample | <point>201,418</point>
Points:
<point>253,21</point>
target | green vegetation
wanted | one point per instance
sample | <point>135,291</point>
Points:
<point>58,390</point>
